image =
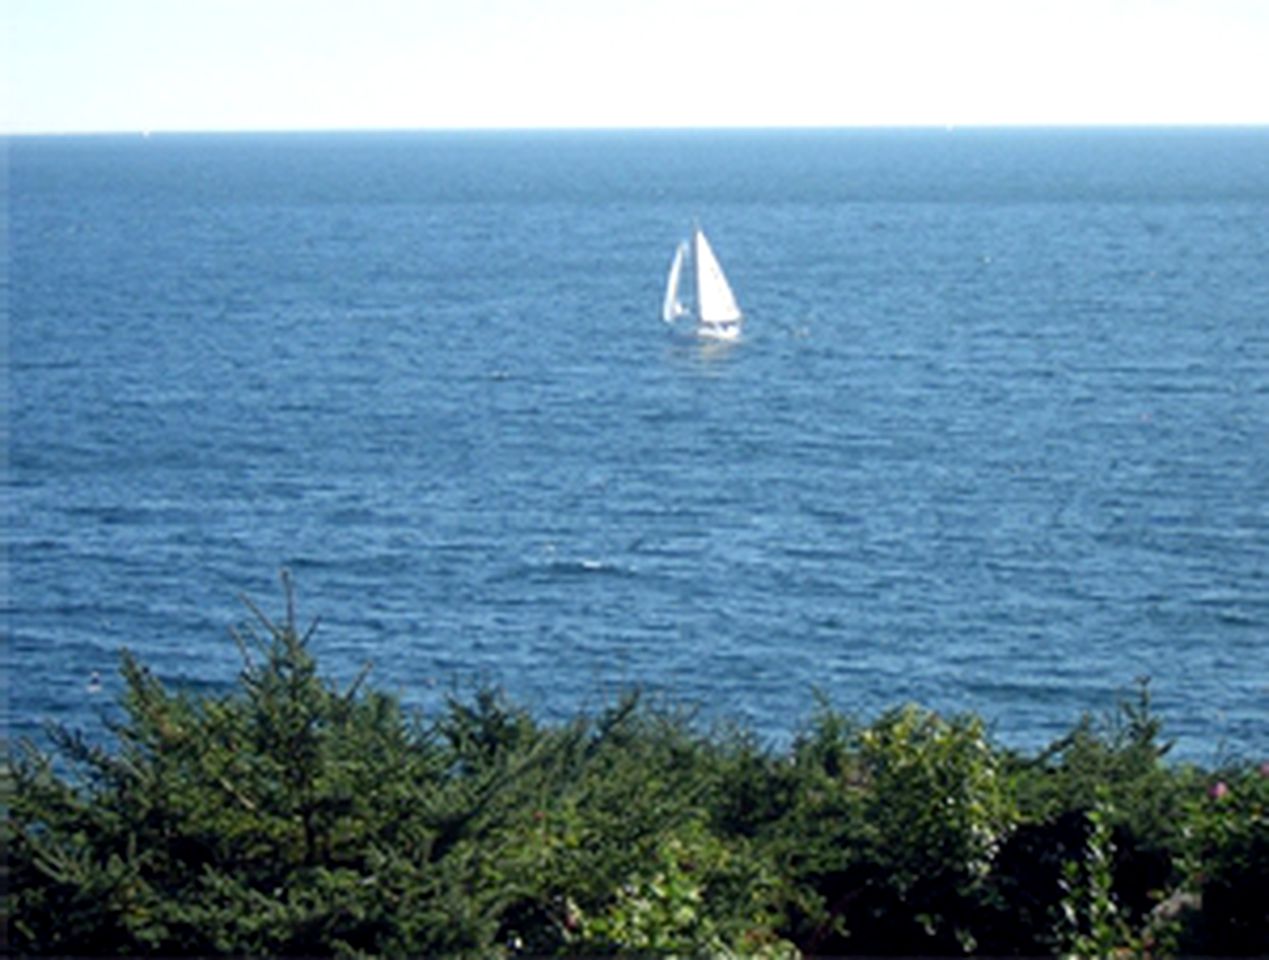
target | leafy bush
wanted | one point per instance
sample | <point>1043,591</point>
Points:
<point>1225,851</point>
<point>294,818</point>
<point>889,832</point>
<point>290,817</point>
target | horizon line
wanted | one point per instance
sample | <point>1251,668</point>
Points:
<point>644,128</point>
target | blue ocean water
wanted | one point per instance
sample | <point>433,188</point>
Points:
<point>997,437</point>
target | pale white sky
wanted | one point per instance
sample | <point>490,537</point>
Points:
<point>106,65</point>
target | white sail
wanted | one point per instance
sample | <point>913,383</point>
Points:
<point>672,309</point>
<point>715,303</point>
<point>710,300</point>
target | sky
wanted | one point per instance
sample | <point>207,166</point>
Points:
<point>158,65</point>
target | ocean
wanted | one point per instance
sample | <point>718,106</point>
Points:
<point>996,437</point>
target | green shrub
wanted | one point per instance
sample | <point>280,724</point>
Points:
<point>892,831</point>
<point>257,822</point>
<point>1225,853</point>
<point>291,817</point>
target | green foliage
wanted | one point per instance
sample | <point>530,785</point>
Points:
<point>1108,780</point>
<point>251,823</point>
<point>1225,853</point>
<point>1093,922</point>
<point>291,817</point>
<point>1118,761</point>
<point>294,818</point>
<point>691,896</point>
<point>890,832</point>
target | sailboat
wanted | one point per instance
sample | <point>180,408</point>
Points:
<point>711,303</point>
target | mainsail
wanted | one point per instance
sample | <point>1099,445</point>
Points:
<point>715,303</point>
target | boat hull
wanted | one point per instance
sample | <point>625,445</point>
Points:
<point>719,331</point>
